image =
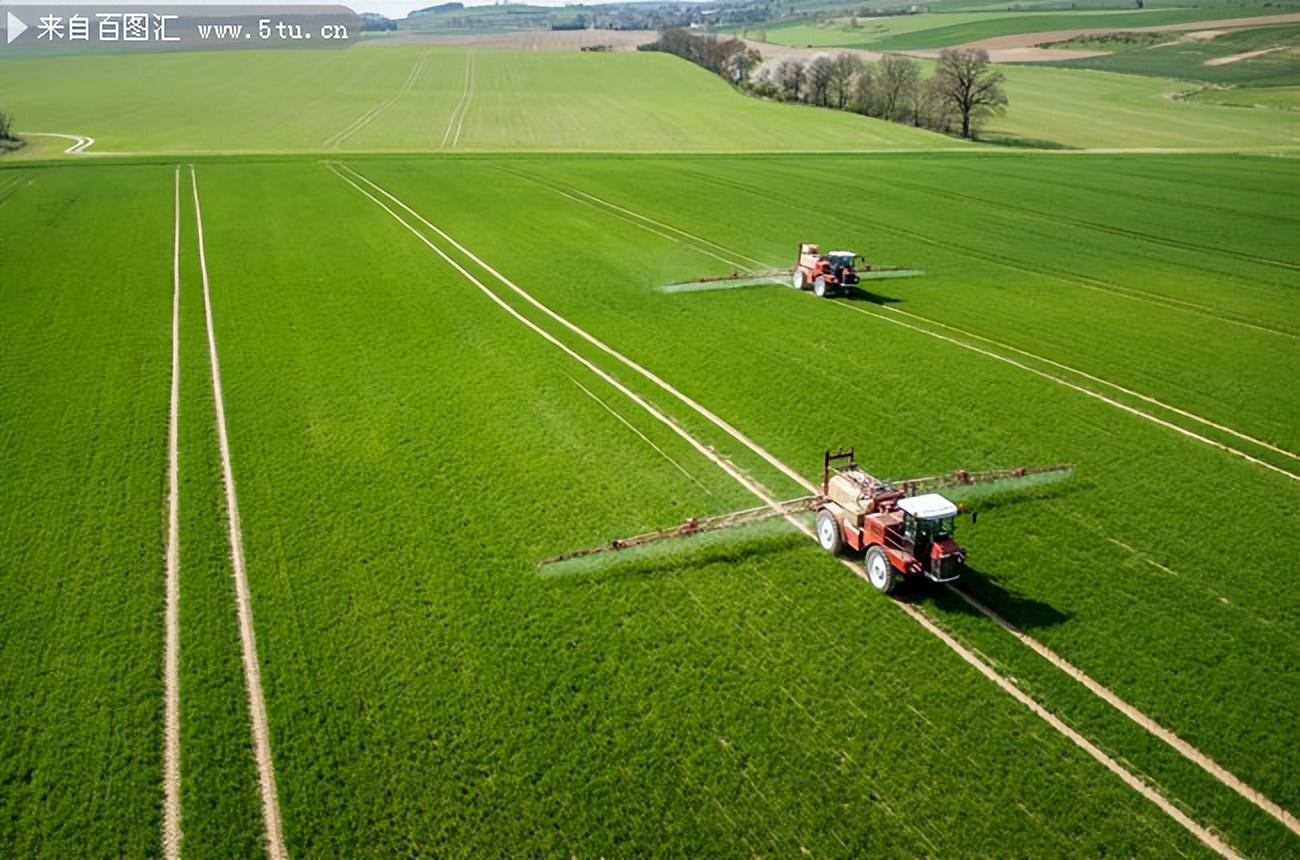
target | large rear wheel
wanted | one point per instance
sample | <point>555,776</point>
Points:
<point>828,532</point>
<point>796,279</point>
<point>820,287</point>
<point>880,573</point>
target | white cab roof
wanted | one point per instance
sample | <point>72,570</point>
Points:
<point>842,254</point>
<point>928,507</point>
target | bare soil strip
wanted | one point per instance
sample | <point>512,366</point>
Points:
<point>336,139</point>
<point>171,834</point>
<point>1187,750</point>
<point>252,671</point>
<point>464,101</point>
<point>1206,837</point>
<point>1244,55</point>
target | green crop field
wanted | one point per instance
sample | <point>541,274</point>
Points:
<point>425,337</point>
<point>941,29</point>
<point>1278,64</point>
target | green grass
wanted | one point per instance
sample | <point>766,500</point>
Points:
<point>1187,60</point>
<point>275,101</point>
<point>1276,98</point>
<point>1097,109</point>
<point>721,699</point>
<point>85,270</point>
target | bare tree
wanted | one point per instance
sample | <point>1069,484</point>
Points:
<point>6,126</point>
<point>897,80</point>
<point>818,75</point>
<point>970,85</point>
<point>790,77</point>
<point>843,68</point>
<point>862,92</point>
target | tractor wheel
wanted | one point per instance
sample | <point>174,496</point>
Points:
<point>828,532</point>
<point>880,573</point>
<point>820,289</point>
<point>796,280</point>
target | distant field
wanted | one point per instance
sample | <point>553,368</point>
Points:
<point>407,450</point>
<point>388,98</point>
<point>394,99</point>
<point>939,30</point>
<point>1278,98</point>
<point>1098,109</point>
<point>1195,60</point>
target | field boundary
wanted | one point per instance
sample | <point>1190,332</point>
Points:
<point>171,833</point>
<point>1206,837</point>
<point>243,600</point>
<point>1185,749</point>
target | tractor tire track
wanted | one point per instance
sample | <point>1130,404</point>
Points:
<point>1080,281</point>
<point>335,140</point>
<point>80,145</point>
<point>1185,749</point>
<point>736,261</point>
<point>275,848</point>
<point>171,832</point>
<point>1132,410</point>
<point>1205,836</point>
<point>457,118</point>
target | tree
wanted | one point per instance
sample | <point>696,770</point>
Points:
<point>970,85</point>
<point>818,75</point>
<point>862,91</point>
<point>897,81</point>
<point>7,126</point>
<point>789,80</point>
<point>843,68</point>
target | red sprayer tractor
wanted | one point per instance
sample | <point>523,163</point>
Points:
<point>825,273</point>
<point>902,528</point>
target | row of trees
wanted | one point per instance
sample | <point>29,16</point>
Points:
<point>964,90</point>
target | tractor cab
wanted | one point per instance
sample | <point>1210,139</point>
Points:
<point>841,266</point>
<point>928,523</point>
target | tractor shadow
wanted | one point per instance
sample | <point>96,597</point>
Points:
<point>1024,612</point>
<point>857,294</point>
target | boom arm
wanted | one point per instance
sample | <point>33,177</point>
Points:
<point>963,478</point>
<point>695,526</point>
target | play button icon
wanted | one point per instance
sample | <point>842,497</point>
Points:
<point>14,27</point>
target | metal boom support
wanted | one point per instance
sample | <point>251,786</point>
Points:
<point>695,526</point>
<point>962,478</point>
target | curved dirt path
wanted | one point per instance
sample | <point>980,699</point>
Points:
<point>80,142</point>
<point>252,671</point>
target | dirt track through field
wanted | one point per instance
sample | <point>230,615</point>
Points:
<point>252,671</point>
<point>171,833</point>
<point>457,119</point>
<point>1206,837</point>
<point>1185,749</point>
<point>335,140</point>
